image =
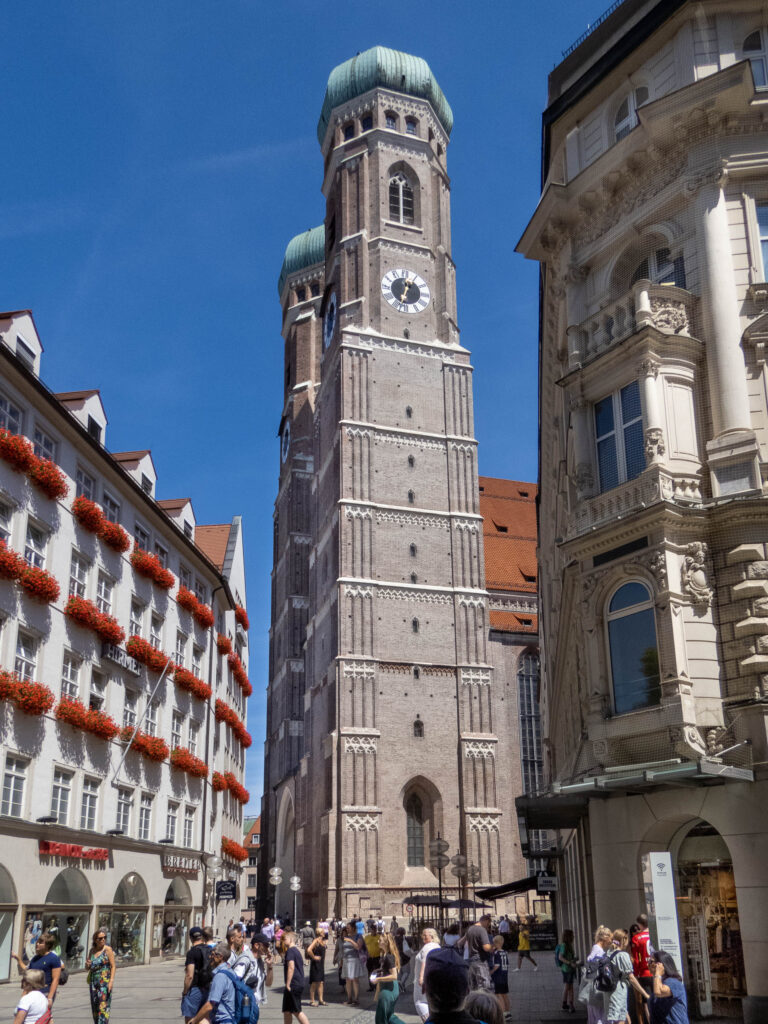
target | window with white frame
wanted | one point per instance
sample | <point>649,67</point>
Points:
<point>104,590</point>
<point>141,536</point>
<point>401,205</point>
<point>44,444</point>
<point>26,655</point>
<point>619,436</point>
<point>130,709</point>
<point>194,732</point>
<point>171,820</point>
<point>177,726</point>
<point>150,719</point>
<point>78,574</point>
<point>181,648</point>
<point>189,826</point>
<point>197,660</point>
<point>633,649</point>
<point>661,267</point>
<point>185,577</point>
<point>10,416</point>
<point>123,817</point>
<point>98,696</point>
<point>755,50</point>
<point>145,816</point>
<point>88,803</point>
<point>85,484</point>
<point>70,675</point>
<point>761,211</point>
<point>201,591</point>
<point>162,554</point>
<point>111,508</point>
<point>136,621</point>
<point>34,546</point>
<point>60,794</point>
<point>626,116</point>
<point>14,780</point>
<point>6,521</point>
<point>156,631</point>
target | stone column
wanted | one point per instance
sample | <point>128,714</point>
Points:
<point>584,471</point>
<point>653,434</point>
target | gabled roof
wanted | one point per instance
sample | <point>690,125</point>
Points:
<point>514,622</point>
<point>212,541</point>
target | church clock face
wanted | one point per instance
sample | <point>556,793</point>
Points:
<point>405,291</point>
<point>329,320</point>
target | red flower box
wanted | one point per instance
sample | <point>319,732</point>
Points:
<point>224,713</point>
<point>239,674</point>
<point>186,599</point>
<point>243,735</point>
<point>151,567</point>
<point>100,724</point>
<point>9,682</point>
<point>40,585</point>
<point>33,698</point>
<point>83,612</point>
<point>48,478</point>
<point>241,616</point>
<point>114,536</point>
<point>71,711</point>
<point>184,761</point>
<point>186,680</point>
<point>16,451</point>
<point>224,644</point>
<point>151,747</point>
<point>233,849</point>
<point>109,630</point>
<point>218,782</point>
<point>143,651</point>
<point>240,793</point>
<point>88,514</point>
<point>12,565</point>
<point>204,616</point>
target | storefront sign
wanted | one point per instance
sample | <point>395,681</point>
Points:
<point>47,849</point>
<point>226,890</point>
<point>178,865</point>
<point>121,658</point>
<point>545,883</point>
<point>659,886</point>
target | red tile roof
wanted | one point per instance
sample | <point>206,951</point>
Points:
<point>514,622</point>
<point>508,508</point>
<point>212,541</point>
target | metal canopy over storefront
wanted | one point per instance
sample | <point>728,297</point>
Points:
<point>496,892</point>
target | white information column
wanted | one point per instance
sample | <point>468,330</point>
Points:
<point>659,887</point>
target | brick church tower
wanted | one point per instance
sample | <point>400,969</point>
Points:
<point>385,724</point>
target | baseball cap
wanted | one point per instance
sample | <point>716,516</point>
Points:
<point>446,971</point>
<point>195,933</point>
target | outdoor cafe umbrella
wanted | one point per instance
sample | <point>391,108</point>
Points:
<point>423,900</point>
<point>467,905</point>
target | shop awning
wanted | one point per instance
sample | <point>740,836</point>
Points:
<point>495,892</point>
<point>551,811</point>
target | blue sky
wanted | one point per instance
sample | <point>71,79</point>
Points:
<point>159,155</point>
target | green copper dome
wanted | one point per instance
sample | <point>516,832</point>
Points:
<point>392,69</point>
<point>303,250</point>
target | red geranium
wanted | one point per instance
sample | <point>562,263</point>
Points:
<point>184,761</point>
<point>186,680</point>
<point>204,616</point>
<point>88,514</point>
<point>16,451</point>
<point>224,713</point>
<point>186,599</point>
<point>241,616</point>
<point>114,536</point>
<point>143,651</point>
<point>218,782</point>
<point>33,698</point>
<point>9,682</point>
<point>233,849</point>
<point>71,711</point>
<point>151,567</point>
<point>83,612</point>
<point>40,585</point>
<point>240,793</point>
<point>12,565</point>
<point>100,724</point>
<point>239,674</point>
<point>110,631</point>
<point>224,644</point>
<point>151,747</point>
<point>48,478</point>
<point>243,735</point>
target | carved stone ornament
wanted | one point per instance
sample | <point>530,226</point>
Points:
<point>694,577</point>
<point>360,744</point>
<point>362,669</point>
<point>483,822</point>
<point>583,477</point>
<point>648,368</point>
<point>654,443</point>
<point>669,315</point>
<point>479,749</point>
<point>656,562</point>
<point>476,676</point>
<point>362,822</point>
<point>358,592</point>
<point>357,513</point>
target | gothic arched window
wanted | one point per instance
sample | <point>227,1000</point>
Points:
<point>400,199</point>
<point>415,625</point>
<point>633,648</point>
<point>414,818</point>
<point>755,50</point>
<point>626,116</point>
<point>418,729</point>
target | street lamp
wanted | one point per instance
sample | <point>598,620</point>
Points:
<point>275,878</point>
<point>473,874</point>
<point>439,860</point>
<point>459,869</point>
<point>295,889</point>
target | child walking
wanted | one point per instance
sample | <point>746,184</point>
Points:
<point>500,974</point>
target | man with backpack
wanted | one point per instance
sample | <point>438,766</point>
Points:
<point>197,975</point>
<point>219,1007</point>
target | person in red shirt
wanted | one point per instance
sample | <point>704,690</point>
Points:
<point>641,952</point>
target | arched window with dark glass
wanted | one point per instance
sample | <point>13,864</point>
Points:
<point>400,199</point>
<point>418,729</point>
<point>661,267</point>
<point>626,116</point>
<point>633,648</point>
<point>755,50</point>
<point>414,818</point>
<point>415,625</point>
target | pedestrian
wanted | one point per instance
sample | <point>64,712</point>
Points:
<point>197,975</point>
<point>393,925</point>
<point>616,1008</point>
<point>587,993</point>
<point>379,924</point>
<point>261,977</point>
<point>241,960</point>
<point>405,952</point>
<point>669,1004</point>
<point>446,986</point>
<point>565,958</point>
<point>641,951</point>
<point>44,960</point>
<point>524,947</point>
<point>293,974</point>
<point>451,934</point>
<point>373,952</point>
<point>208,938</point>
<point>478,945</point>
<point>101,976</point>
<point>386,983</point>
<point>500,974</point>
<point>430,942</point>
<point>352,969</point>
<point>32,1006</point>
<point>504,930</point>
<point>316,956</point>
<point>307,934</point>
<point>484,1007</point>
<point>219,1008</point>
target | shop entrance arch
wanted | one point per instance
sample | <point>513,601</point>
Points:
<point>171,923</point>
<point>125,921</point>
<point>8,906</point>
<point>66,914</point>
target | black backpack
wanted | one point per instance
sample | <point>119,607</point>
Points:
<point>607,974</point>
<point>204,972</point>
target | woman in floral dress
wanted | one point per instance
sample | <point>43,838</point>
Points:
<point>101,975</point>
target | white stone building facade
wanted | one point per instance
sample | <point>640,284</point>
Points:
<point>652,233</point>
<point>93,834</point>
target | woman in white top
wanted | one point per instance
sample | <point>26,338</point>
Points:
<point>33,1004</point>
<point>595,1000</point>
<point>430,942</point>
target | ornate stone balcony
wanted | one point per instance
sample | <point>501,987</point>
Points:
<point>654,485</point>
<point>664,307</point>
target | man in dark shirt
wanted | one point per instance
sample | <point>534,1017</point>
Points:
<point>197,978</point>
<point>446,986</point>
<point>293,970</point>
<point>479,947</point>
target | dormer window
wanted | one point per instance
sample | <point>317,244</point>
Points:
<point>366,122</point>
<point>24,352</point>
<point>188,531</point>
<point>755,49</point>
<point>626,115</point>
<point>146,484</point>
<point>94,429</point>
<point>661,268</point>
<point>411,125</point>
